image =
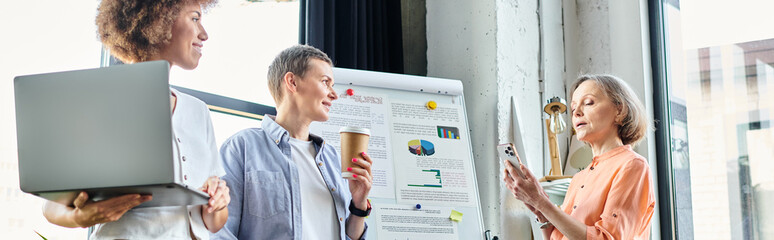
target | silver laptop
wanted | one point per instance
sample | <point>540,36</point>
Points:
<point>106,131</point>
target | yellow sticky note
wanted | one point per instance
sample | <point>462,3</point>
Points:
<point>455,216</point>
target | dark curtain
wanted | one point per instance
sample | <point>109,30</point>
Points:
<point>359,34</point>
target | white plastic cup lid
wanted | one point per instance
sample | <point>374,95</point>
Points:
<point>360,130</point>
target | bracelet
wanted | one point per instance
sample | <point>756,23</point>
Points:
<point>546,225</point>
<point>543,225</point>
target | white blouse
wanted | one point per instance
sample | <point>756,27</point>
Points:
<point>197,160</point>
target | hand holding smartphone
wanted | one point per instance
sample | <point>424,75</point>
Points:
<point>507,151</point>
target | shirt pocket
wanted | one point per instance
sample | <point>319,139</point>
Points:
<point>268,193</point>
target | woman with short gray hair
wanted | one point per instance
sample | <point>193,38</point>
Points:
<point>613,197</point>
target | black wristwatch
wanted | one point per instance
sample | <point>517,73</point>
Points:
<point>358,212</point>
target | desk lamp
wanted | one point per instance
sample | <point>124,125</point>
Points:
<point>555,124</point>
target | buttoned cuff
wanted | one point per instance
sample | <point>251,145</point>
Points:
<point>362,237</point>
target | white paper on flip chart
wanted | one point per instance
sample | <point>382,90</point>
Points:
<point>406,222</point>
<point>433,154</point>
<point>369,111</point>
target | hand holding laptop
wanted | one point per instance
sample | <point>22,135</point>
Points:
<point>87,213</point>
<point>219,194</point>
<point>212,213</point>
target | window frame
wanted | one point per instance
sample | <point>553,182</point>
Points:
<point>662,116</point>
<point>216,103</point>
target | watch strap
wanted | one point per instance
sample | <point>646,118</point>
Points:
<point>358,212</point>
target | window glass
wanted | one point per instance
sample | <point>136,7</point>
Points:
<point>244,37</point>
<point>47,36</point>
<point>38,36</point>
<point>721,80</point>
<point>227,125</point>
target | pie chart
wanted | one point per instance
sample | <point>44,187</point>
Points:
<point>421,147</point>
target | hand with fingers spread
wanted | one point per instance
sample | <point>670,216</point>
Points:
<point>87,213</point>
<point>360,184</point>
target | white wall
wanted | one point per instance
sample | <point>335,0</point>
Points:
<point>461,45</point>
<point>517,76</point>
<point>493,47</point>
<point>609,36</point>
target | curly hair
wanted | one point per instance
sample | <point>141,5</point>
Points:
<point>135,30</point>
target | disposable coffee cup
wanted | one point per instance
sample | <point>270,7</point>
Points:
<point>354,140</point>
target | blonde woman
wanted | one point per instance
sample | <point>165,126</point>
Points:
<point>613,197</point>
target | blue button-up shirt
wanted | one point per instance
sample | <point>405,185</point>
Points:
<point>264,186</point>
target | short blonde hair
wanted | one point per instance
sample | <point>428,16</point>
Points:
<point>294,59</point>
<point>634,125</point>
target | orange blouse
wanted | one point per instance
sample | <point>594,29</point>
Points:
<point>613,196</point>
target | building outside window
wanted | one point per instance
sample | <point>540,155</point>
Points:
<point>720,81</point>
<point>50,36</point>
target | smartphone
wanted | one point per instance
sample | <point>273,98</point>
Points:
<point>507,151</point>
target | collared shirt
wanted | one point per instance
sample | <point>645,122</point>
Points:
<point>613,197</point>
<point>264,184</point>
<point>197,160</point>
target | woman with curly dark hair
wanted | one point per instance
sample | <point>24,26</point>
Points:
<point>137,31</point>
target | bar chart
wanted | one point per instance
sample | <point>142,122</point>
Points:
<point>448,132</point>
<point>430,178</point>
